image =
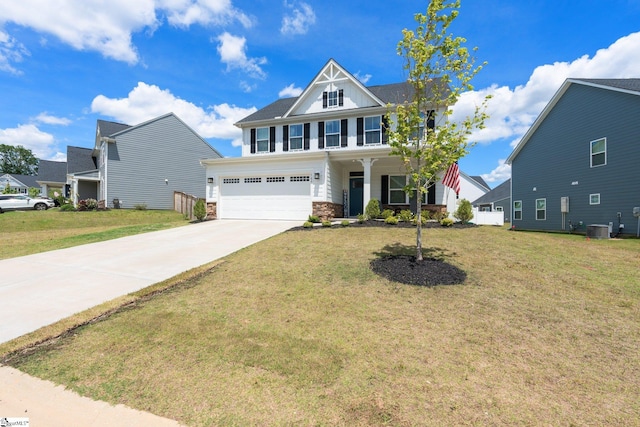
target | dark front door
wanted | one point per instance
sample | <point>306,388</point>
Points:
<point>355,196</point>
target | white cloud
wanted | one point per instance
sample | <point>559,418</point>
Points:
<point>232,50</point>
<point>11,51</point>
<point>146,102</point>
<point>42,144</point>
<point>290,91</point>
<point>513,111</point>
<point>204,12</point>
<point>52,120</point>
<point>499,174</point>
<point>362,78</point>
<point>300,19</point>
<point>90,25</point>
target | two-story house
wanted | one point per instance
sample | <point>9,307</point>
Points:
<point>322,153</point>
<point>140,165</point>
<point>578,163</point>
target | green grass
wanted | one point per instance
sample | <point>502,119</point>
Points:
<point>29,232</point>
<point>297,330</point>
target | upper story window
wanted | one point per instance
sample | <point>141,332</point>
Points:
<point>372,129</point>
<point>332,133</point>
<point>599,152</point>
<point>517,209</point>
<point>296,136</point>
<point>333,98</point>
<point>262,140</point>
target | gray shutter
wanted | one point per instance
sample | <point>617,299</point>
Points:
<point>360,130</point>
<point>320,135</point>
<point>253,141</point>
<point>385,125</point>
<point>285,138</point>
<point>307,131</point>
<point>272,139</point>
<point>324,99</point>
<point>384,197</point>
<point>340,97</point>
<point>344,141</point>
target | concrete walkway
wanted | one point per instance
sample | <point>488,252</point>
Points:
<point>38,290</point>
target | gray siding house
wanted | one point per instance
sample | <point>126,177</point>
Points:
<point>578,164</point>
<point>496,200</point>
<point>145,164</point>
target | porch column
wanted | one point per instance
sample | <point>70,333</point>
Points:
<point>366,188</point>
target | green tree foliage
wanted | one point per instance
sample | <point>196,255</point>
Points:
<point>464,213</point>
<point>199,210</point>
<point>440,69</point>
<point>17,160</point>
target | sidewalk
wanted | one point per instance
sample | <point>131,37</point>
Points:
<point>40,289</point>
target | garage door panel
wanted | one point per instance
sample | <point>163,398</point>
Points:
<point>265,200</point>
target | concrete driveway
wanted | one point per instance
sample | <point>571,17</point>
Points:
<point>38,290</point>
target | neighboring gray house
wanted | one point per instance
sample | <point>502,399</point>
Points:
<point>496,200</point>
<point>51,175</point>
<point>578,164</point>
<point>19,183</point>
<point>140,165</point>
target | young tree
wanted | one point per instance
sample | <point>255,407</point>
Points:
<point>17,160</point>
<point>440,69</point>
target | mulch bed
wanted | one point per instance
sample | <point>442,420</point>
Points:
<point>404,268</point>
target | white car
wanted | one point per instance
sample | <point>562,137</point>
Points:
<point>14,202</point>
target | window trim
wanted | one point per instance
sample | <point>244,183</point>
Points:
<point>544,210</point>
<point>592,154</point>
<point>327,134</point>
<point>517,210</point>
<point>292,138</point>
<point>332,98</point>
<point>591,199</point>
<point>259,140</point>
<point>377,130</point>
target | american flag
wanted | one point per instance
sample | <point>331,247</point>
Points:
<point>452,178</point>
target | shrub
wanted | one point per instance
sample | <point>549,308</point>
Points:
<point>326,223</point>
<point>345,223</point>
<point>314,218</point>
<point>386,213</point>
<point>200,210</point>
<point>405,215</point>
<point>33,191</point>
<point>307,224</point>
<point>92,204</point>
<point>67,207</point>
<point>373,209</point>
<point>423,220</point>
<point>82,206</point>
<point>464,213</point>
<point>141,206</point>
<point>446,222</point>
<point>391,220</point>
<point>361,218</point>
<point>439,216</point>
<point>426,215</point>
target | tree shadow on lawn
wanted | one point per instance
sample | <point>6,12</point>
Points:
<point>398,263</point>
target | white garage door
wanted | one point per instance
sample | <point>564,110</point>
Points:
<point>266,197</point>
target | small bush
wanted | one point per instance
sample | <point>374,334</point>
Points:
<point>439,216</point>
<point>92,204</point>
<point>326,223</point>
<point>391,220</point>
<point>464,213</point>
<point>423,220</point>
<point>307,224</point>
<point>200,210</point>
<point>141,206</point>
<point>314,219</point>
<point>67,207</point>
<point>361,218</point>
<point>373,209</point>
<point>345,223</point>
<point>386,213</point>
<point>405,215</point>
<point>446,222</point>
<point>426,215</point>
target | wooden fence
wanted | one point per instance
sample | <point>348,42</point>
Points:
<point>184,203</point>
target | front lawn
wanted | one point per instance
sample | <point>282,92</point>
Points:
<point>29,232</point>
<point>297,330</point>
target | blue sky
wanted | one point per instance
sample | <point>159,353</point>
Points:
<point>64,64</point>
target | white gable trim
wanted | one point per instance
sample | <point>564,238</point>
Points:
<point>332,72</point>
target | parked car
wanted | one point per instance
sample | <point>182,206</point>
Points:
<point>14,202</point>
